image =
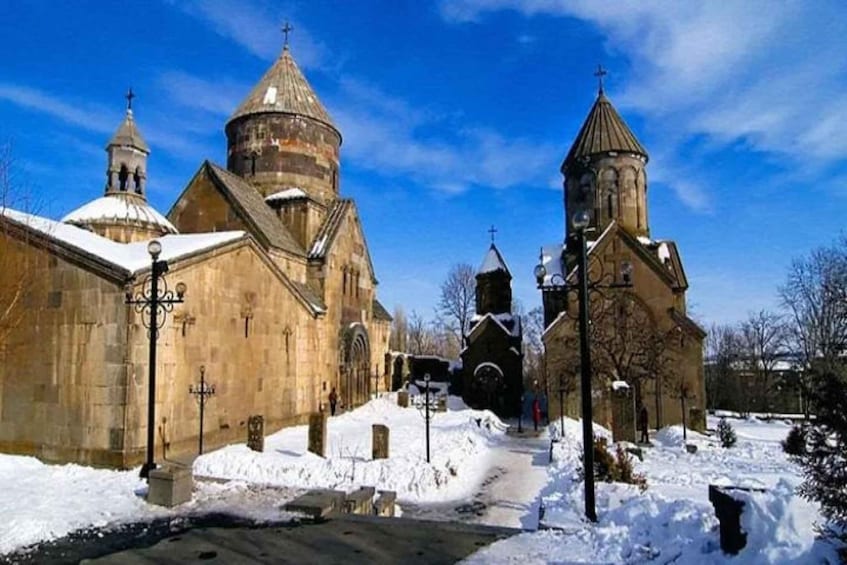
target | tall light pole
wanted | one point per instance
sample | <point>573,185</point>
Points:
<point>560,285</point>
<point>147,302</point>
<point>426,413</point>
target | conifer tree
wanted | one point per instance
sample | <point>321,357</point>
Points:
<point>726,433</point>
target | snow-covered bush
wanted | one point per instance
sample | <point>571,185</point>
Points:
<point>726,434</point>
<point>825,460</point>
<point>795,442</point>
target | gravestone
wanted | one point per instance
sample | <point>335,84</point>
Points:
<point>403,399</point>
<point>317,433</point>
<point>256,433</point>
<point>384,504</point>
<point>379,441</point>
<point>623,412</point>
<point>697,420</point>
<point>442,404</point>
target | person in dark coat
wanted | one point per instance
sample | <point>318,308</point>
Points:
<point>333,401</point>
<point>536,413</point>
<point>642,425</point>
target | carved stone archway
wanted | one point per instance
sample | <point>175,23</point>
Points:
<point>354,377</point>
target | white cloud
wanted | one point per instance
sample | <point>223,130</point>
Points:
<point>386,135</point>
<point>767,75</point>
<point>257,26</point>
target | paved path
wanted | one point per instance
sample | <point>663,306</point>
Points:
<point>342,539</point>
<point>509,495</point>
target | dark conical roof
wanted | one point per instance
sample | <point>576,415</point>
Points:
<point>128,135</point>
<point>604,130</point>
<point>284,89</point>
<point>493,262</point>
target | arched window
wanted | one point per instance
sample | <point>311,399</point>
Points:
<point>123,176</point>
<point>136,178</point>
<point>344,287</point>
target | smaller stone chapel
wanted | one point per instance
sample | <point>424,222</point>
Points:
<point>492,361</point>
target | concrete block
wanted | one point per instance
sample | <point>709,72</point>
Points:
<point>360,501</point>
<point>318,503</point>
<point>170,486</point>
<point>384,504</point>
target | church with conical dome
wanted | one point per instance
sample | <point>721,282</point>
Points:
<point>280,307</point>
<point>646,351</point>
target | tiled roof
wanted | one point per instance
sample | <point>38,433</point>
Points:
<point>128,135</point>
<point>380,313</point>
<point>284,89</point>
<point>603,131</point>
<point>256,213</point>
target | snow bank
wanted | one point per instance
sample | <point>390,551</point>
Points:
<point>460,448</point>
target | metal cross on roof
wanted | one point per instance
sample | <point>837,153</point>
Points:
<point>286,29</point>
<point>600,73</point>
<point>129,97</point>
<point>492,231</point>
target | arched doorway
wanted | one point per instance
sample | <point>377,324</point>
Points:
<point>354,377</point>
<point>487,387</point>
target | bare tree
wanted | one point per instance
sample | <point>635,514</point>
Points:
<point>533,360</point>
<point>399,330</point>
<point>722,358</point>
<point>814,298</point>
<point>762,345</point>
<point>458,295</point>
<point>17,267</point>
<point>421,337</point>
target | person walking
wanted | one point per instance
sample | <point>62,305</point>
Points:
<point>642,425</point>
<point>536,412</point>
<point>333,401</point>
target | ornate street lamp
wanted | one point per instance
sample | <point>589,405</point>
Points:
<point>427,415</point>
<point>148,302</point>
<point>558,284</point>
<point>202,393</point>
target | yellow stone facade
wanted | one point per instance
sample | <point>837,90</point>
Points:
<point>278,311</point>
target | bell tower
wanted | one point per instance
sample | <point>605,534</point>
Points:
<point>127,162</point>
<point>604,171</point>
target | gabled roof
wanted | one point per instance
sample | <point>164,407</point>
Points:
<point>493,262</point>
<point>329,230</point>
<point>252,209</point>
<point>603,131</point>
<point>283,89</point>
<point>380,313</point>
<point>128,135</point>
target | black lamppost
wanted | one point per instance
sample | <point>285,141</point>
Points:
<point>559,284</point>
<point>147,302</point>
<point>202,393</point>
<point>426,413</point>
<point>561,408</point>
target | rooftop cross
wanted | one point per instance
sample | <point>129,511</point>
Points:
<point>600,73</point>
<point>129,97</point>
<point>286,29</point>
<point>492,231</point>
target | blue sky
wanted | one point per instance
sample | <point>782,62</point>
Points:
<point>456,116</point>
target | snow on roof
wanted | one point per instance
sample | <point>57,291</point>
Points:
<point>131,257</point>
<point>318,247</point>
<point>493,261</point>
<point>620,385</point>
<point>664,253</point>
<point>501,320</point>
<point>117,208</point>
<point>287,194</point>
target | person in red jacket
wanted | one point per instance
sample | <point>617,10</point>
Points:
<point>536,413</point>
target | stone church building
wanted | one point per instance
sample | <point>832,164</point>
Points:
<point>492,361</point>
<point>640,335</point>
<point>280,306</point>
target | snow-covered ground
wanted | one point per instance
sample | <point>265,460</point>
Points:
<point>474,463</point>
<point>44,502</point>
<point>673,521</point>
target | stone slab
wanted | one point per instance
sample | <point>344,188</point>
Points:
<point>317,433</point>
<point>379,441</point>
<point>318,503</point>
<point>360,501</point>
<point>384,503</point>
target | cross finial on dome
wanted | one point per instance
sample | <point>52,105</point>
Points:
<point>492,231</point>
<point>129,96</point>
<point>600,73</point>
<point>286,29</point>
